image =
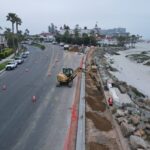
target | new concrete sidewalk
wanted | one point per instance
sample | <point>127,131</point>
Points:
<point>7,58</point>
<point>80,142</point>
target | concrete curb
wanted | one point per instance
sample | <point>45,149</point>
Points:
<point>2,71</point>
<point>3,60</point>
<point>80,142</point>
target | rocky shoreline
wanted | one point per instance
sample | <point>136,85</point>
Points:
<point>133,118</point>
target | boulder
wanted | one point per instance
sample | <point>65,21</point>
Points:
<point>120,113</point>
<point>135,120</point>
<point>145,116</point>
<point>122,89</point>
<point>141,125</point>
<point>126,112</point>
<point>147,126</point>
<point>137,142</point>
<point>127,129</point>
<point>132,110</point>
<point>139,133</point>
<point>144,119</point>
<point>121,119</point>
<point>147,132</point>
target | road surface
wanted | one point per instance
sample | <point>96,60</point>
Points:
<point>42,125</point>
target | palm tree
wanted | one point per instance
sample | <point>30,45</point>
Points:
<point>26,32</point>
<point>12,18</point>
<point>7,32</point>
<point>18,22</point>
<point>121,40</point>
<point>133,40</point>
<point>1,29</point>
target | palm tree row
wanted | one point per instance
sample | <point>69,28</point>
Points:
<point>12,38</point>
<point>14,19</point>
<point>129,40</point>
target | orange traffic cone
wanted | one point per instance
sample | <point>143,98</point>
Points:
<point>4,87</point>
<point>27,70</point>
<point>49,74</point>
<point>33,99</point>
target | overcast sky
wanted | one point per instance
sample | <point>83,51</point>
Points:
<point>134,15</point>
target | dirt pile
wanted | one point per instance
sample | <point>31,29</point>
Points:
<point>100,122</point>
<point>95,146</point>
<point>74,49</point>
<point>95,103</point>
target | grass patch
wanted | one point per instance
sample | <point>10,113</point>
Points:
<point>137,93</point>
<point>2,66</point>
<point>42,47</point>
<point>148,63</point>
<point>139,58</point>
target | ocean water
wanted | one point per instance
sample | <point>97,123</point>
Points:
<point>135,74</point>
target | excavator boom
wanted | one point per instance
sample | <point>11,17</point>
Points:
<point>74,74</point>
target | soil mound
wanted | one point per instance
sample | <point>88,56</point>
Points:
<point>100,122</point>
<point>96,104</point>
<point>96,146</point>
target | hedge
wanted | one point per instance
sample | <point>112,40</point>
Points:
<point>6,52</point>
<point>2,66</point>
<point>39,45</point>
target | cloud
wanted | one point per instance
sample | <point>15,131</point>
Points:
<point>37,14</point>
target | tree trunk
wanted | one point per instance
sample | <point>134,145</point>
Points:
<point>12,27</point>
<point>16,28</point>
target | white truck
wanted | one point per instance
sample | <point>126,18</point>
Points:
<point>66,47</point>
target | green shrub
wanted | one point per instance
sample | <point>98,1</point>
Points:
<point>2,66</point>
<point>2,55</point>
<point>6,52</point>
<point>42,47</point>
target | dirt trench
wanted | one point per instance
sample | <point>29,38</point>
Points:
<point>100,133</point>
<point>101,123</point>
<point>95,146</point>
<point>95,103</point>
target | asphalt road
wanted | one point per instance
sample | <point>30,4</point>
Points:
<point>43,125</point>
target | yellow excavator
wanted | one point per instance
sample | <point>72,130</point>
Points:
<point>66,76</point>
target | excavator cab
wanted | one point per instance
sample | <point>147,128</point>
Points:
<point>68,71</point>
<point>66,76</point>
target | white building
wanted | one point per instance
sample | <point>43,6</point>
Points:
<point>85,31</point>
<point>47,37</point>
<point>71,31</point>
<point>108,42</point>
<point>3,42</point>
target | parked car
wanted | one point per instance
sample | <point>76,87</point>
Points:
<point>61,44</point>
<point>24,55</point>
<point>54,42</point>
<point>11,65</point>
<point>27,52</point>
<point>66,47</point>
<point>19,60</point>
